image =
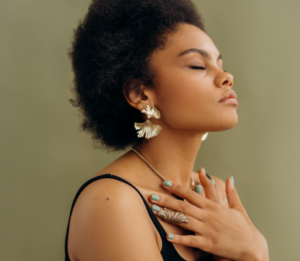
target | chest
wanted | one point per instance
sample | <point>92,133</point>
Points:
<point>186,252</point>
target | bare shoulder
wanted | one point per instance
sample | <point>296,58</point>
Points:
<point>110,215</point>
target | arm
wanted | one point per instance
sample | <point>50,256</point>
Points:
<point>110,222</point>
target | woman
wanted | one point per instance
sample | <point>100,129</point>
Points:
<point>148,76</point>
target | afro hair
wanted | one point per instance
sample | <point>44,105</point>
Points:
<point>110,51</point>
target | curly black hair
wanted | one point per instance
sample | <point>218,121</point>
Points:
<point>110,56</point>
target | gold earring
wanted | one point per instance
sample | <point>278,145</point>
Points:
<point>147,128</point>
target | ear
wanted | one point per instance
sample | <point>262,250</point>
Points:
<point>137,95</point>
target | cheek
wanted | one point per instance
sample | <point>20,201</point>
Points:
<point>185,103</point>
<point>193,105</point>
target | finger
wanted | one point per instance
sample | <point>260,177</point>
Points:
<point>186,193</point>
<point>218,192</point>
<point>220,189</point>
<point>219,195</point>
<point>233,197</point>
<point>225,202</point>
<point>208,185</point>
<point>202,189</point>
<point>199,189</point>
<point>200,242</point>
<point>203,192</point>
<point>189,240</point>
<point>193,224</point>
<point>177,205</point>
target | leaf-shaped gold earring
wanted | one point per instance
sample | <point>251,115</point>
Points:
<point>147,128</point>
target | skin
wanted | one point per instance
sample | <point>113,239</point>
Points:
<point>218,229</point>
<point>110,215</point>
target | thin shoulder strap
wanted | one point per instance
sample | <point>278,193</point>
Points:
<point>154,219</point>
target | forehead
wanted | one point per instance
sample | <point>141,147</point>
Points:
<point>185,37</point>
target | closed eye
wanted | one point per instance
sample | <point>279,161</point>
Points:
<point>200,68</point>
<point>197,67</point>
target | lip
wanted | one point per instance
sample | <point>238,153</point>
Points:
<point>229,98</point>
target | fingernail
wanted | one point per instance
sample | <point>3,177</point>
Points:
<point>155,208</point>
<point>204,170</point>
<point>170,236</point>
<point>167,183</point>
<point>232,180</point>
<point>213,182</point>
<point>155,197</point>
<point>198,189</point>
<point>225,199</point>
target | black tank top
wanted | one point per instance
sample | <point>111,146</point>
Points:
<point>168,251</point>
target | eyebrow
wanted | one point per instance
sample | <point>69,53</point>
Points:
<point>200,51</point>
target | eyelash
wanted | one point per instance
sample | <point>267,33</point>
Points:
<point>196,67</point>
<point>201,68</point>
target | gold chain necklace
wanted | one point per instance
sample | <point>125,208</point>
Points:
<point>192,183</point>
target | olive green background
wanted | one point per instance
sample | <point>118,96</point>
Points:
<point>45,157</point>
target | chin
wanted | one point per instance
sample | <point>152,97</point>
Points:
<point>226,123</point>
<point>231,122</point>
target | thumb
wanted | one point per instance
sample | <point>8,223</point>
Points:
<point>232,196</point>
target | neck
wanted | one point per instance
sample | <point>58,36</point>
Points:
<point>173,154</point>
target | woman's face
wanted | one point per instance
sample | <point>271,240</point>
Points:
<point>189,85</point>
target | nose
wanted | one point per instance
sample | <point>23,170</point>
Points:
<point>224,79</point>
